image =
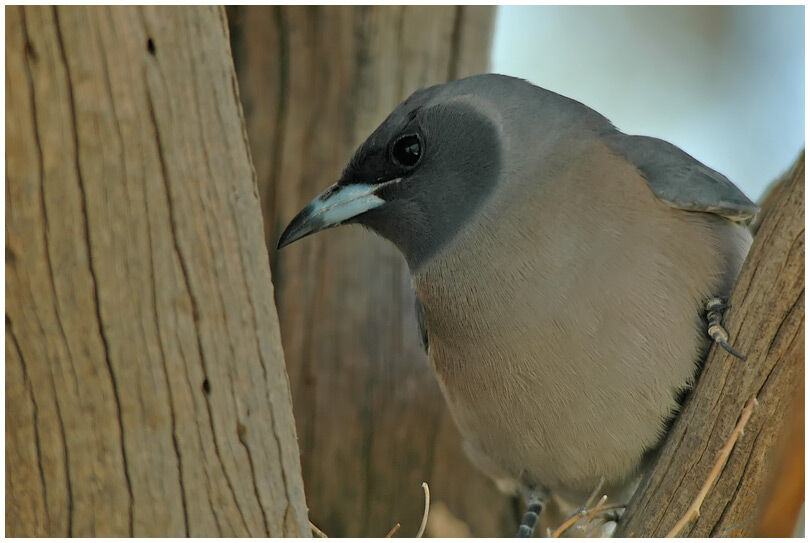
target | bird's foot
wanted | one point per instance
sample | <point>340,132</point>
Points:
<point>714,315</point>
<point>536,498</point>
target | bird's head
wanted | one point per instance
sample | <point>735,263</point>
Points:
<point>424,173</point>
<point>418,176</point>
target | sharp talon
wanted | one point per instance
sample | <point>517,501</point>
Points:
<point>723,343</point>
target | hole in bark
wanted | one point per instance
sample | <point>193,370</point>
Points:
<point>150,46</point>
<point>206,386</point>
<point>29,50</point>
<point>241,431</point>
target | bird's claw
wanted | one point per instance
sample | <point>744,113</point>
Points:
<point>714,314</point>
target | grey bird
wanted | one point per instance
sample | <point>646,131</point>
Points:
<point>562,270</point>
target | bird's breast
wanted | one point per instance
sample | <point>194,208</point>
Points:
<point>561,330</point>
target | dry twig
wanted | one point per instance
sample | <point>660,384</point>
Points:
<point>693,511</point>
<point>592,495</point>
<point>317,531</point>
<point>568,523</point>
<point>422,527</point>
<point>592,513</point>
<point>607,512</point>
<point>579,513</point>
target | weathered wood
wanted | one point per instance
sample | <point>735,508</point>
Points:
<point>785,495</point>
<point>145,386</point>
<point>766,322</point>
<point>315,81</point>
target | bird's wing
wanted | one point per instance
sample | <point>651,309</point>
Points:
<point>680,180</point>
<point>420,322</point>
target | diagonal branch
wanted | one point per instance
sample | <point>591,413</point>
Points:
<point>766,322</point>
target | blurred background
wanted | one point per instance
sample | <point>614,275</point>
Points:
<point>724,83</point>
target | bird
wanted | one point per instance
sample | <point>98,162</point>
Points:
<point>562,269</point>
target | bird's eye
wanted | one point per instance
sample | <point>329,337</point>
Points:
<point>407,150</point>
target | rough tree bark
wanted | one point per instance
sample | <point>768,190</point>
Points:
<point>145,388</point>
<point>766,322</point>
<point>315,81</point>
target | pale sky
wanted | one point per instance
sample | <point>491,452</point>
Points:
<point>726,84</point>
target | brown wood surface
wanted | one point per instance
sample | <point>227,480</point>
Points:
<point>315,81</point>
<point>145,387</point>
<point>785,493</point>
<point>766,322</point>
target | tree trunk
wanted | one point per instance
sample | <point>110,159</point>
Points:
<point>766,322</point>
<point>145,388</point>
<point>315,81</point>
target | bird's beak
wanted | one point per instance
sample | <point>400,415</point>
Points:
<point>332,207</point>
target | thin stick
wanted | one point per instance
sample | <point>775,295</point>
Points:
<point>587,529</point>
<point>393,530</point>
<point>317,531</point>
<point>579,513</point>
<point>590,515</point>
<point>693,511</point>
<point>568,523</point>
<point>593,495</point>
<point>421,531</point>
<point>573,519</point>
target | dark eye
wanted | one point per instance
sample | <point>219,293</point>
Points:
<point>407,150</point>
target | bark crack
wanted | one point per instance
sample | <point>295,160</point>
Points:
<point>689,471</point>
<point>270,405</point>
<point>153,287</point>
<point>185,373</point>
<point>52,284</point>
<point>736,491</point>
<point>783,321</point>
<point>259,354</point>
<point>192,298</point>
<point>29,386</point>
<point>241,431</point>
<point>207,163</point>
<point>102,333</point>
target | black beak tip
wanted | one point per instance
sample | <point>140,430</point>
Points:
<point>282,241</point>
<point>301,226</point>
<point>287,237</point>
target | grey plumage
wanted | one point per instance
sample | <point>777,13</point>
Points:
<point>680,180</point>
<point>560,267</point>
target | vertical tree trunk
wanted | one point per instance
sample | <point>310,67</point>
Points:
<point>315,81</point>
<point>145,388</point>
